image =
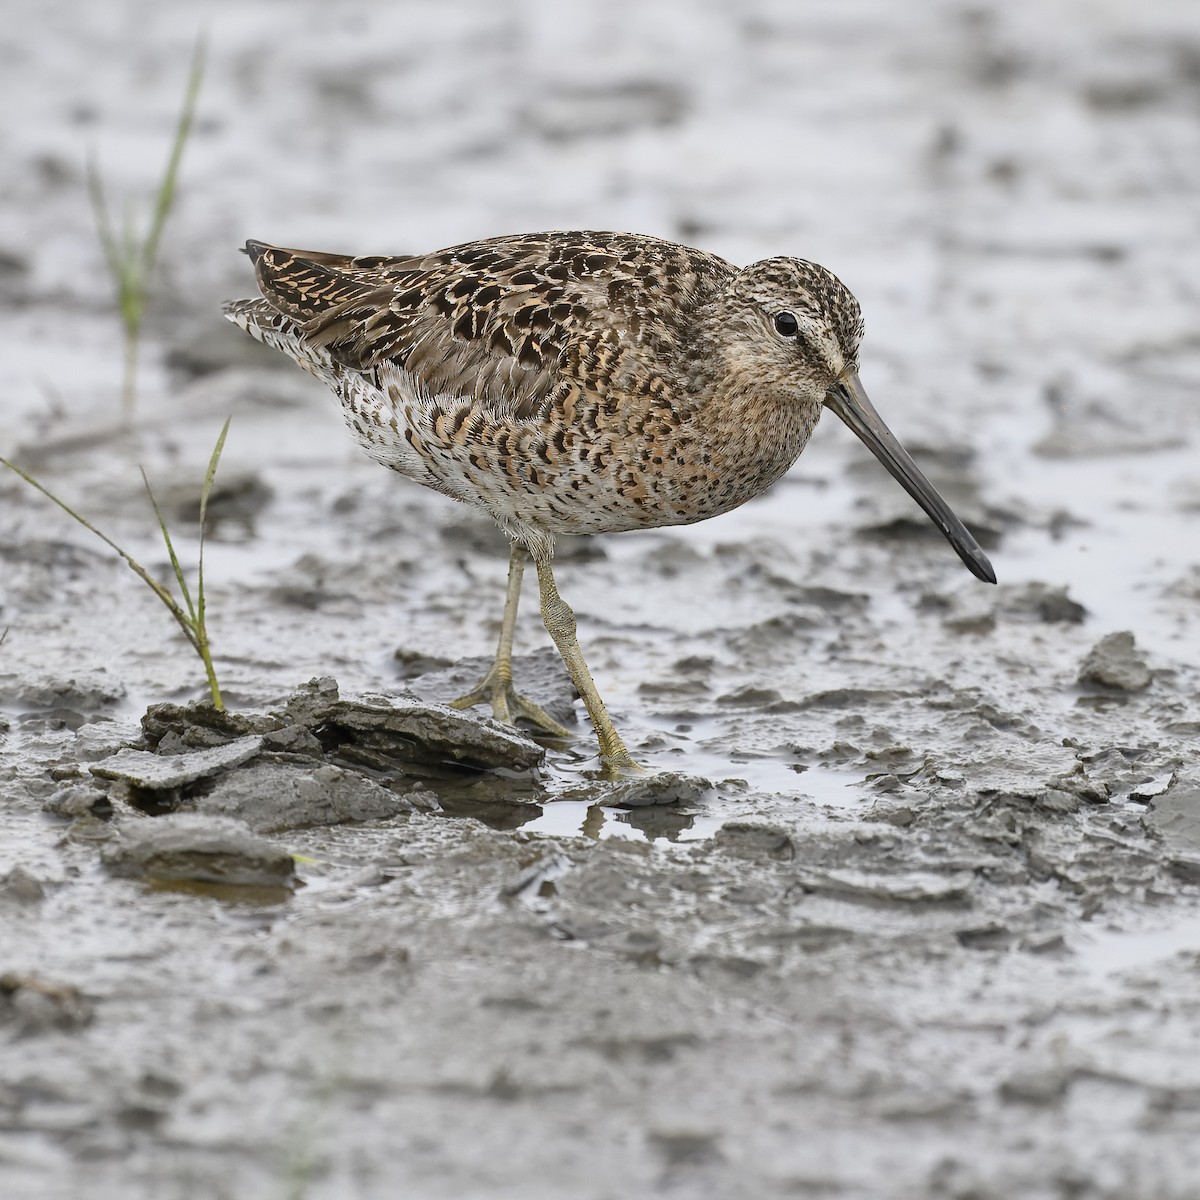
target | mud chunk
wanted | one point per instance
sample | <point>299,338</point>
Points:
<point>293,739</point>
<point>897,523</point>
<point>686,1148</point>
<point>1175,817</point>
<point>77,800</point>
<point>35,1005</point>
<point>84,691</point>
<point>750,697</point>
<point>101,738</point>
<point>749,839</point>
<point>833,601</point>
<point>1039,602</point>
<point>1056,800</point>
<point>1040,1085</point>
<point>1187,586</point>
<point>1149,788</point>
<point>992,936</point>
<point>19,886</point>
<point>165,772</point>
<point>14,277</point>
<point>1134,771</point>
<point>189,847</point>
<point>891,813</point>
<point>199,724</point>
<point>848,697</point>
<point>271,798</point>
<point>1078,782</point>
<point>408,730</point>
<point>913,887</point>
<point>412,664</point>
<point>307,704</point>
<point>1186,868</point>
<point>674,559</point>
<point>972,618</point>
<point>237,499</point>
<point>436,733</point>
<point>761,641</point>
<point>1114,662</point>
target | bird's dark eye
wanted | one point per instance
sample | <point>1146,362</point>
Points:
<point>786,324</point>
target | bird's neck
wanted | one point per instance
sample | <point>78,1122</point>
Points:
<point>755,433</point>
<point>750,427</point>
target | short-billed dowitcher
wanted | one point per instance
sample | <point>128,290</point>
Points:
<point>576,383</point>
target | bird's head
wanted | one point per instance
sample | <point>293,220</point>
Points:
<point>791,328</point>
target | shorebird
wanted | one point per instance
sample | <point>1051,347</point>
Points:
<point>579,383</point>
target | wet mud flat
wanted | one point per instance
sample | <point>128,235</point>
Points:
<point>301,949</point>
<point>908,904</point>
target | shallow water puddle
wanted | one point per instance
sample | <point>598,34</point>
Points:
<point>575,818</point>
<point>1112,951</point>
<point>743,787</point>
<point>762,773</point>
<point>740,786</point>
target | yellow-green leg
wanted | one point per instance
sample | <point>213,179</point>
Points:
<point>560,621</point>
<point>496,687</point>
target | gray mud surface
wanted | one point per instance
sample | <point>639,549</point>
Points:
<point>911,904</point>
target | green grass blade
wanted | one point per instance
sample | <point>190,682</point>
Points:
<point>209,479</point>
<point>211,474</point>
<point>162,525</point>
<point>201,625</point>
<point>157,588</point>
<point>130,255</point>
<point>131,286</point>
<point>104,225</point>
<point>166,188</point>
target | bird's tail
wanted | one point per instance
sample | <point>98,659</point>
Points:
<point>268,325</point>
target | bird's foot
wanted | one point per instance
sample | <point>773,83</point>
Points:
<point>615,759</point>
<point>508,705</point>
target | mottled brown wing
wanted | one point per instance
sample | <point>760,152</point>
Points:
<point>505,321</point>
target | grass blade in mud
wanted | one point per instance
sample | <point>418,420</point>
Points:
<point>192,621</point>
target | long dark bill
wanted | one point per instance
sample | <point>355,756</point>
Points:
<point>848,399</point>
